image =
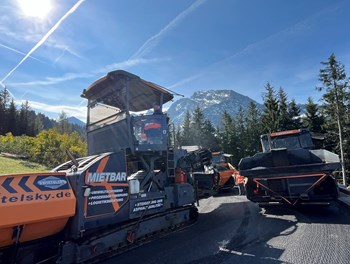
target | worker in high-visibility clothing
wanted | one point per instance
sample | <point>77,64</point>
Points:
<point>239,181</point>
<point>153,132</point>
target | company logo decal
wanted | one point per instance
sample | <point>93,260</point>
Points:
<point>52,182</point>
<point>107,177</point>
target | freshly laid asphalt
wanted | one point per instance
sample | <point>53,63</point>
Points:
<point>232,229</point>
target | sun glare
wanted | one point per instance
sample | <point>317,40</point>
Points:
<point>35,8</point>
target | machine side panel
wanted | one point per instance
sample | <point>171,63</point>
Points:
<point>107,181</point>
<point>102,194</point>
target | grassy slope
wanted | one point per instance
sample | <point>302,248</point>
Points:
<point>10,166</point>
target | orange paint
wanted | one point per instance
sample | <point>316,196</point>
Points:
<point>43,209</point>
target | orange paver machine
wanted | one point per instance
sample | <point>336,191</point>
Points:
<point>128,190</point>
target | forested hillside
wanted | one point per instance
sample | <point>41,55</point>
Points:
<point>239,134</point>
<point>21,120</point>
<point>43,140</point>
<point>36,137</point>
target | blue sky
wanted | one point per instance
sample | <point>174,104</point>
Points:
<point>49,57</point>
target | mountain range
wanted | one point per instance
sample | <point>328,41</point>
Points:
<point>212,102</point>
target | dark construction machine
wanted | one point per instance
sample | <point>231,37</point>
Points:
<point>128,190</point>
<point>289,171</point>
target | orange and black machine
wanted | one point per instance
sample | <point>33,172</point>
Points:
<point>124,192</point>
<point>290,171</point>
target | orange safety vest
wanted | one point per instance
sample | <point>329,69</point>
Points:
<point>151,125</point>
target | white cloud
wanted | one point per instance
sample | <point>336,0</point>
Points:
<point>72,76</point>
<point>55,80</point>
<point>153,41</point>
<point>76,111</point>
<point>129,63</point>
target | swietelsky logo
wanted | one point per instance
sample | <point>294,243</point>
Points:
<point>52,182</point>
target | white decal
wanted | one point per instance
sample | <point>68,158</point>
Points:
<point>52,182</point>
<point>107,177</point>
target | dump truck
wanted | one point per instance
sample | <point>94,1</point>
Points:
<point>132,187</point>
<point>290,171</point>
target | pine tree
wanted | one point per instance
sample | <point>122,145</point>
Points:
<point>294,115</point>
<point>186,138</point>
<point>226,133</point>
<point>209,139</point>
<point>2,116</point>
<point>178,138</point>
<point>270,118</point>
<point>335,102</point>
<point>253,129</point>
<point>285,120</point>
<point>314,119</point>
<point>23,118</point>
<point>5,99</point>
<point>240,135</point>
<point>197,126</point>
<point>12,118</point>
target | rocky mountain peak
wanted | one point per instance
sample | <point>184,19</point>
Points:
<point>212,102</point>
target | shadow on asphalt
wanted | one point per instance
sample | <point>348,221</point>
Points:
<point>313,213</point>
<point>249,244</point>
<point>234,232</point>
<point>230,223</point>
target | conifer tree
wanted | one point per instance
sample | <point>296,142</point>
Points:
<point>23,118</point>
<point>186,138</point>
<point>240,135</point>
<point>285,120</point>
<point>227,133</point>
<point>5,99</point>
<point>178,139</point>
<point>197,126</point>
<point>2,116</point>
<point>335,102</point>
<point>253,129</point>
<point>12,118</point>
<point>270,118</point>
<point>314,119</point>
<point>294,115</point>
<point>209,139</point>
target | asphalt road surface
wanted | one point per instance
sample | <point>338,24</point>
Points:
<point>232,229</point>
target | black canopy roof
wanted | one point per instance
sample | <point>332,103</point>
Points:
<point>121,89</point>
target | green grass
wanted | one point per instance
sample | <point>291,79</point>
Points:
<point>11,166</point>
